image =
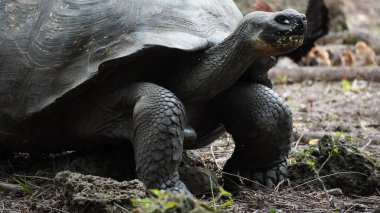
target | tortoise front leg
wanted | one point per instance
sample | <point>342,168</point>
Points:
<point>261,125</point>
<point>158,122</point>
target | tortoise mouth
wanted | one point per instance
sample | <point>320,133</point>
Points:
<point>276,44</point>
<point>288,41</point>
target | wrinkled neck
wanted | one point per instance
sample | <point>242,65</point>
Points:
<point>214,70</point>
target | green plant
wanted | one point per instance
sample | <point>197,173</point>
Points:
<point>282,79</point>
<point>161,201</point>
<point>222,194</point>
<point>272,211</point>
<point>346,86</point>
<point>23,185</point>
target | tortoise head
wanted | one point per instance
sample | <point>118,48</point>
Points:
<point>275,33</point>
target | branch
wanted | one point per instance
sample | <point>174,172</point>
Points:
<point>10,187</point>
<point>299,74</point>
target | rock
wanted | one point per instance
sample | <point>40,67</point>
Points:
<point>347,168</point>
<point>197,180</point>
<point>195,175</point>
<point>87,193</point>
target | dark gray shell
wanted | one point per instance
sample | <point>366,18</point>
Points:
<point>50,47</point>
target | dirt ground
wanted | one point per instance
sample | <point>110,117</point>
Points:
<point>325,107</point>
<point>319,108</point>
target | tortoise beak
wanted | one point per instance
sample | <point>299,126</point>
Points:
<point>290,22</point>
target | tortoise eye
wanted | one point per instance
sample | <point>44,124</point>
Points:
<point>282,20</point>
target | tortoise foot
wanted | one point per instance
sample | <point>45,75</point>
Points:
<point>177,187</point>
<point>235,177</point>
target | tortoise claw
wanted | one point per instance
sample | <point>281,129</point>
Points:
<point>267,178</point>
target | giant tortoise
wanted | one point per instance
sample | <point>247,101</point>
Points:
<point>78,74</point>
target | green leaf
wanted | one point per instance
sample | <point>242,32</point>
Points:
<point>282,79</point>
<point>144,203</point>
<point>170,204</point>
<point>272,211</point>
<point>134,200</point>
<point>339,135</point>
<point>223,192</point>
<point>155,192</point>
<point>348,137</point>
<point>23,185</point>
<point>228,203</point>
<point>346,85</point>
<point>335,150</point>
<point>311,163</point>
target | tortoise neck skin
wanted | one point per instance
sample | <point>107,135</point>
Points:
<point>216,69</point>
<point>259,34</point>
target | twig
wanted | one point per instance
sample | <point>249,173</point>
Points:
<point>33,177</point>
<point>10,187</point>
<point>298,141</point>
<point>322,177</point>
<point>320,180</point>
<point>366,145</point>
<point>38,194</point>
<point>243,178</point>
<point>120,207</point>
<point>313,210</point>
<point>327,89</point>
<point>278,186</point>
<point>299,74</point>
<point>213,156</point>
<point>54,209</point>
<point>349,209</point>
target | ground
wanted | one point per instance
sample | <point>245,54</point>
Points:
<point>319,108</point>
